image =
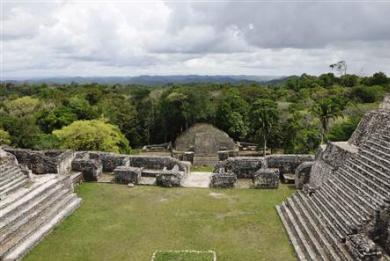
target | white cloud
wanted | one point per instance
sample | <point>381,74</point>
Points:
<point>69,38</point>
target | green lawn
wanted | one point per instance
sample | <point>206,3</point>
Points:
<point>183,256</point>
<point>115,222</point>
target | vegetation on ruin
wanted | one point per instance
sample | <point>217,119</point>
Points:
<point>115,222</point>
<point>307,109</point>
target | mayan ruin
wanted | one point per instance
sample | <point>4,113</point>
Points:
<point>210,130</point>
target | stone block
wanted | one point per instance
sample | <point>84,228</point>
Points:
<point>266,178</point>
<point>170,178</point>
<point>126,175</point>
<point>302,174</point>
<point>223,179</point>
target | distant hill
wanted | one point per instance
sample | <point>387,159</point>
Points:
<point>156,79</point>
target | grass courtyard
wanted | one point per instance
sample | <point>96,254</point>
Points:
<point>115,222</point>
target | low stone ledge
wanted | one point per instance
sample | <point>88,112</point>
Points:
<point>91,167</point>
<point>126,175</point>
<point>266,178</point>
<point>170,178</point>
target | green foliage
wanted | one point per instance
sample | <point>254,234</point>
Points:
<point>342,131</point>
<point>231,115</point>
<point>92,135</point>
<point>367,94</point>
<point>23,106</point>
<point>5,138</point>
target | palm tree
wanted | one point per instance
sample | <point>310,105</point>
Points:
<point>264,114</point>
<point>326,110</point>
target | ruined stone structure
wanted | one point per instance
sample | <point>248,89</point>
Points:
<point>266,178</point>
<point>246,167</point>
<point>31,205</point>
<point>44,161</point>
<point>204,140</point>
<point>223,179</point>
<point>343,211</point>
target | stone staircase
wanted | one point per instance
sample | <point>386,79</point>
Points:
<point>11,178</point>
<point>205,160</point>
<point>319,223</point>
<point>30,209</point>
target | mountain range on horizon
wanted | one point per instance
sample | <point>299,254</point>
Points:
<point>153,79</point>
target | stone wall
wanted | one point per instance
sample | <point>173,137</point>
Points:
<point>328,159</point>
<point>89,164</point>
<point>44,161</point>
<point>245,167</point>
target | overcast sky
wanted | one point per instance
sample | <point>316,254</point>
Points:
<point>123,38</point>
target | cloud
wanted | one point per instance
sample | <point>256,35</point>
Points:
<point>225,37</point>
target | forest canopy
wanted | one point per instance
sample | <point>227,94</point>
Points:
<point>294,115</point>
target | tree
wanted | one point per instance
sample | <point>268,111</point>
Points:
<point>340,67</point>
<point>327,109</point>
<point>231,115</point>
<point>264,115</point>
<point>379,78</point>
<point>92,135</point>
<point>22,107</point>
<point>5,138</point>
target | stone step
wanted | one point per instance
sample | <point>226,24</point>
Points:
<point>359,176</point>
<point>309,238</point>
<point>380,144</point>
<point>343,208</point>
<point>9,174</point>
<point>346,200</point>
<point>32,239</point>
<point>29,228</point>
<point>14,216</point>
<point>374,203</point>
<point>21,192</point>
<point>14,185</point>
<point>11,182</point>
<point>336,217</point>
<point>374,157</point>
<point>380,177</point>
<point>10,178</point>
<point>21,202</point>
<point>327,218</point>
<point>29,215</point>
<point>359,204</point>
<point>290,228</point>
<point>326,230</point>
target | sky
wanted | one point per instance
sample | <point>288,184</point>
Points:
<point>128,38</point>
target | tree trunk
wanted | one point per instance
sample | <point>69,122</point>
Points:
<point>265,145</point>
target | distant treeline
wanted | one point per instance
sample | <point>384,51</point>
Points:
<point>295,114</point>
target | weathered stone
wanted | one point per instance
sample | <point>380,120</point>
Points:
<point>90,167</point>
<point>266,178</point>
<point>126,175</point>
<point>302,174</point>
<point>362,248</point>
<point>223,179</point>
<point>287,163</point>
<point>45,161</point>
<point>170,178</point>
<point>242,167</point>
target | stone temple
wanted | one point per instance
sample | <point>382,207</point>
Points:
<point>202,142</point>
<point>343,210</point>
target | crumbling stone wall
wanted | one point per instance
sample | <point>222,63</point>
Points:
<point>302,174</point>
<point>245,167</point>
<point>89,164</point>
<point>223,179</point>
<point>328,159</point>
<point>266,178</point>
<point>44,161</point>
<point>242,167</point>
<point>126,175</point>
<point>170,178</point>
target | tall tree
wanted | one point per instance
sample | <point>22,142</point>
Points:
<point>264,116</point>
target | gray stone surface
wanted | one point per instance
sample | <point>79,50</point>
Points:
<point>126,175</point>
<point>302,174</point>
<point>91,167</point>
<point>267,178</point>
<point>170,178</point>
<point>344,212</point>
<point>45,161</point>
<point>223,179</point>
